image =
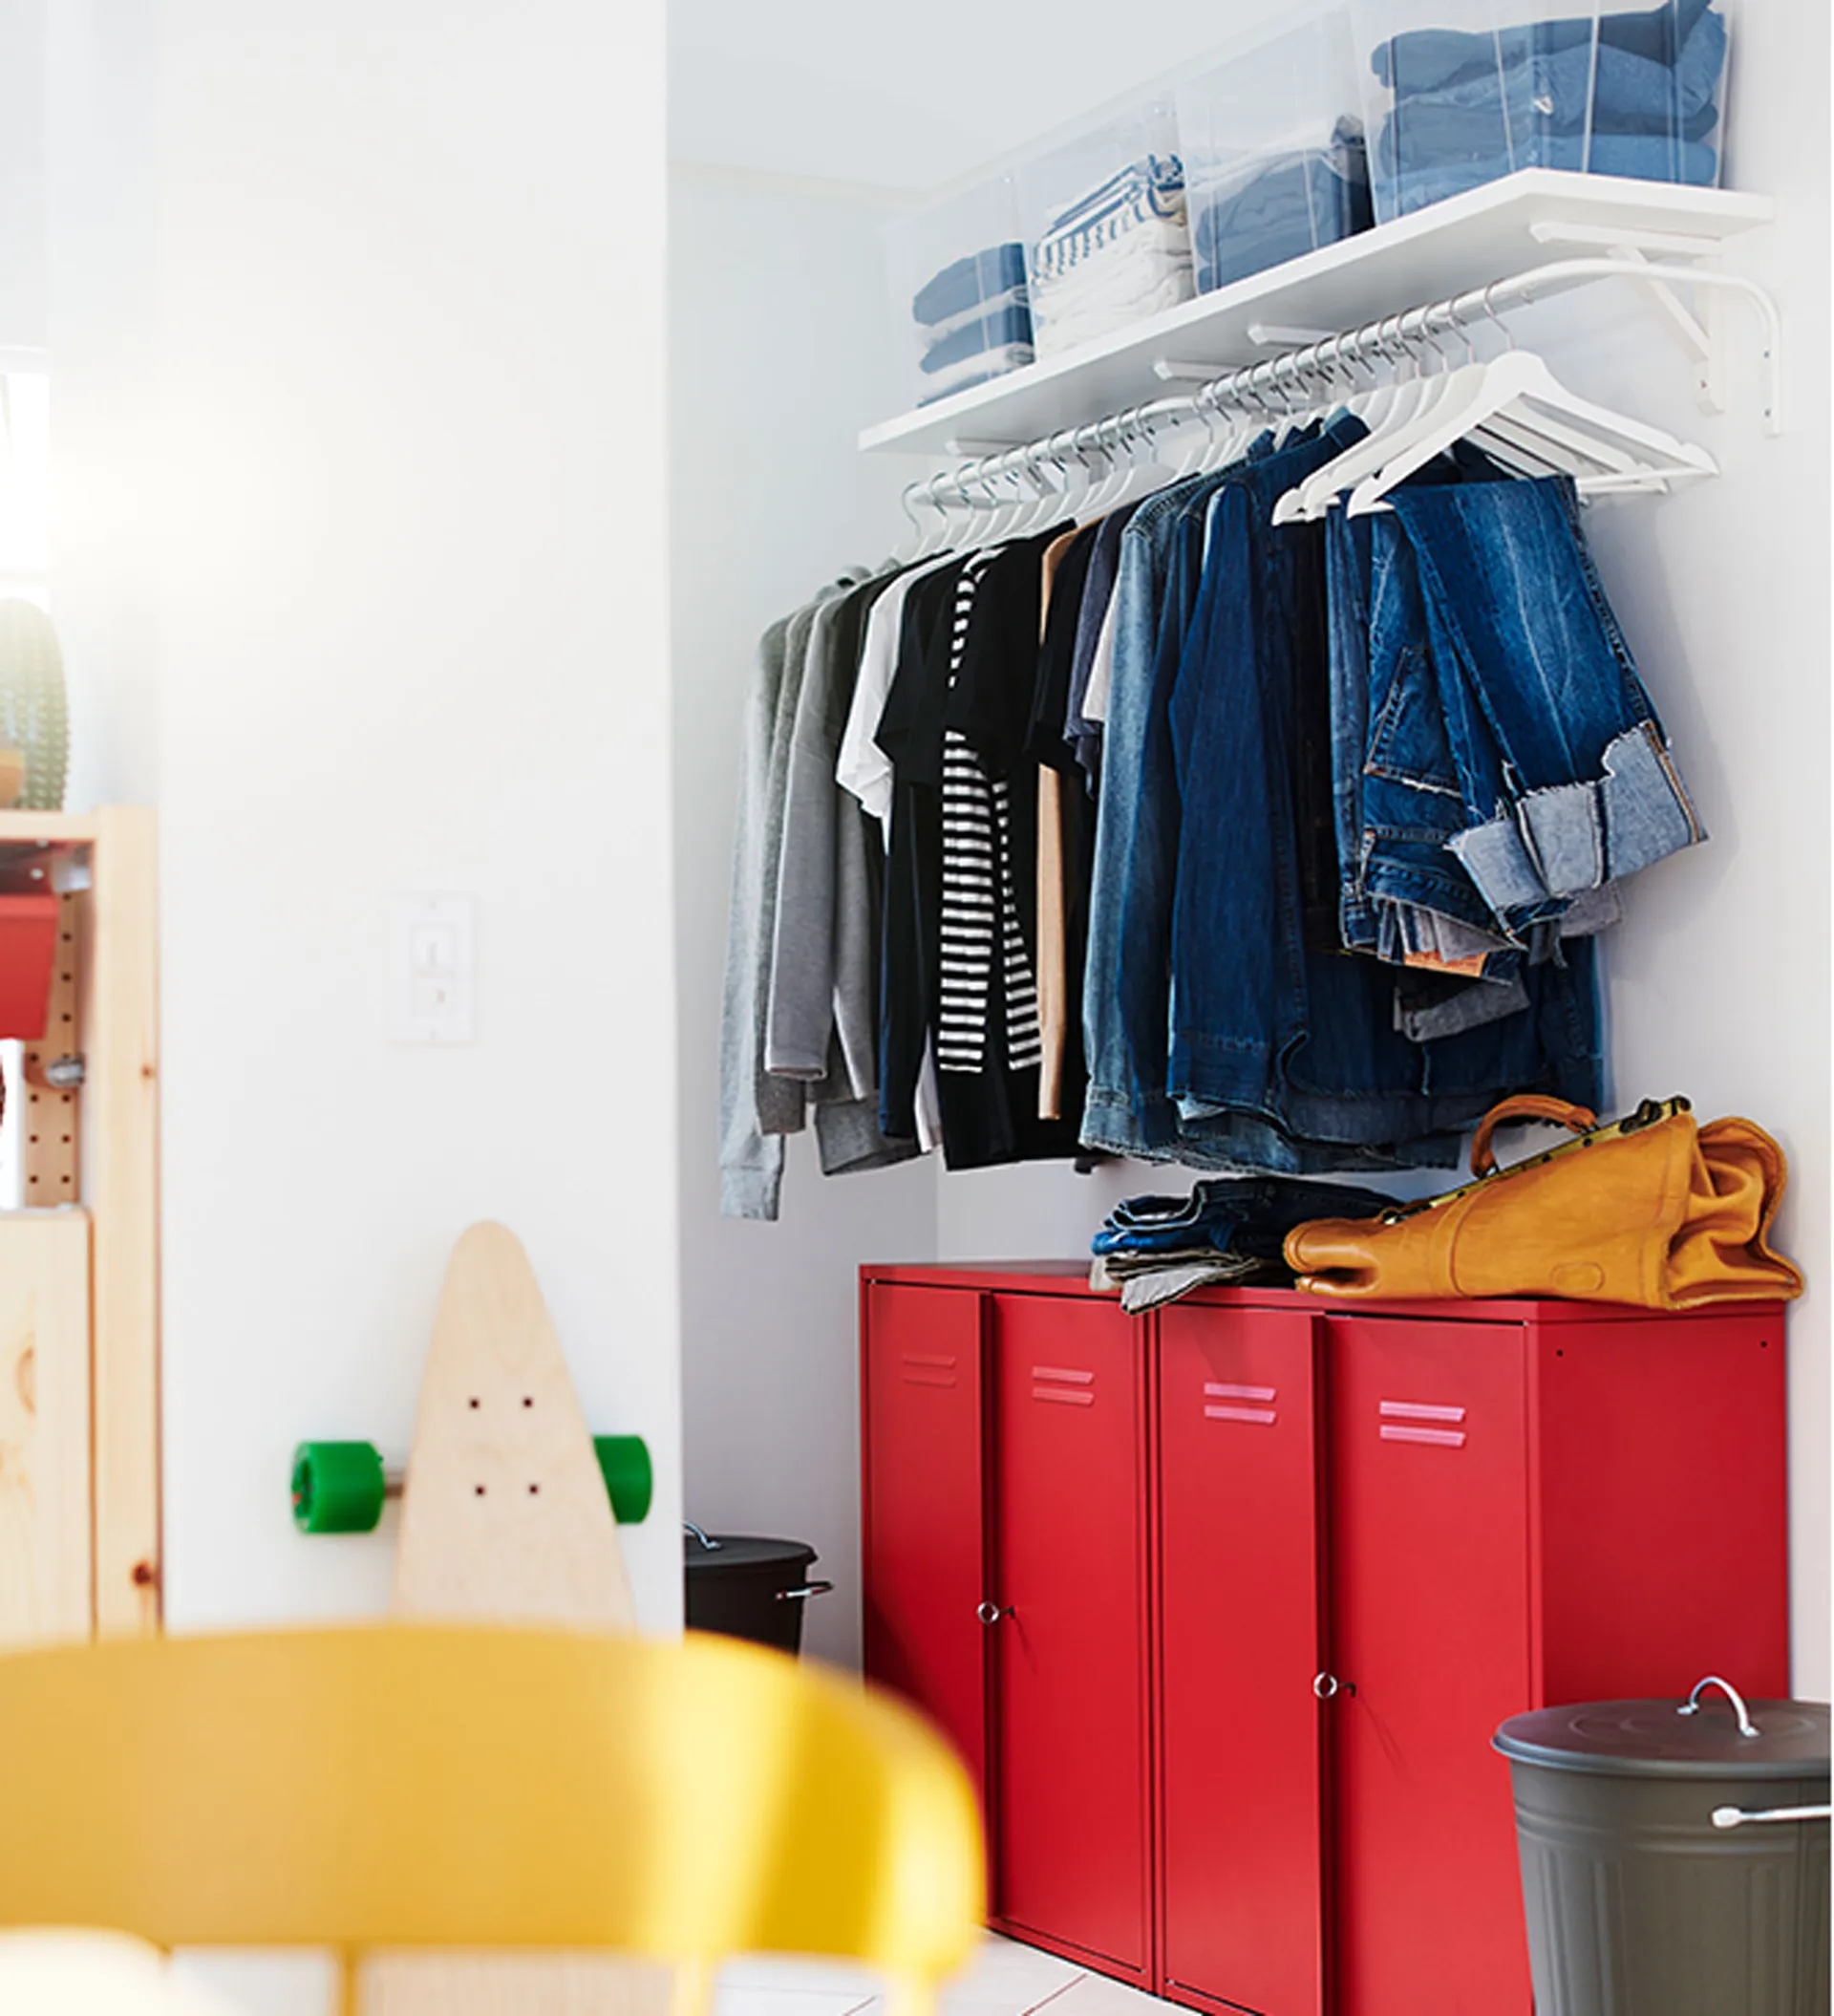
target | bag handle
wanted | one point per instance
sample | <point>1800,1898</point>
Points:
<point>1524,1105</point>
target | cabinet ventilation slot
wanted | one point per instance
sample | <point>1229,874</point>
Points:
<point>1261,1416</point>
<point>922,1372</point>
<point>1436,1438</point>
<point>1071,1389</point>
<point>1393,1411</point>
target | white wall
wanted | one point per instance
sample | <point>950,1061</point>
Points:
<point>913,97</point>
<point>1718,982</point>
<point>1718,985</point>
<point>389,586</point>
<point>777,324</point>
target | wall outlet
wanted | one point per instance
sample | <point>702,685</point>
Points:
<point>430,970</point>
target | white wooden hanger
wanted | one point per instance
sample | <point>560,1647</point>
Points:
<point>1104,482</point>
<point>1389,411</point>
<point>1041,507</point>
<point>910,549</point>
<point>1115,479</point>
<point>1144,476</point>
<point>936,538</point>
<point>1086,506</point>
<point>1197,453</point>
<point>1522,376</point>
<point>1002,517</point>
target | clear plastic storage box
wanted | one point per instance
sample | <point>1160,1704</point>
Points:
<point>1106,241</point>
<point>1272,146</point>
<point>1462,92</point>
<point>959,296</point>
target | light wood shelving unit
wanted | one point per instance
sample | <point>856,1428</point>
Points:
<point>79,1276</point>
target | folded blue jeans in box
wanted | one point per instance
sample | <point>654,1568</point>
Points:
<point>1542,78</point>
<point>1428,58</point>
<point>1643,102</point>
<point>1641,158</point>
<point>997,329</point>
<point>965,282</point>
<point>1286,208</point>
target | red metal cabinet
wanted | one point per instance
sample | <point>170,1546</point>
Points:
<point>1430,1625</point>
<point>923,1524</point>
<point>1070,1750</point>
<point>1662,1503</point>
<point>1239,1649</point>
<point>1276,1570</point>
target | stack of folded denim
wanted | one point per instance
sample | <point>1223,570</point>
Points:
<point>1120,253</point>
<point>1284,207</point>
<point>1632,95</point>
<point>1231,1228</point>
<point>976,319</point>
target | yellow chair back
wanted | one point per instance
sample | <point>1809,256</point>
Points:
<point>435,1786</point>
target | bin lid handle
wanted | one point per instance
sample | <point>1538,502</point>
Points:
<point>1746,1726</point>
<point>1724,1816</point>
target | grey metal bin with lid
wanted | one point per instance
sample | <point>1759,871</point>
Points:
<point>1675,1855</point>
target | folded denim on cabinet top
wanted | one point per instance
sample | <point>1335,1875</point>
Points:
<point>1233,1229</point>
<point>1246,1216</point>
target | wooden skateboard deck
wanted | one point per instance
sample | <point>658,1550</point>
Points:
<point>505,1517</point>
<point>505,1513</point>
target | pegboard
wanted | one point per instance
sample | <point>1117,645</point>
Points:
<point>50,1120</point>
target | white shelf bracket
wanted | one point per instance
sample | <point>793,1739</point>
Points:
<point>1702,336</point>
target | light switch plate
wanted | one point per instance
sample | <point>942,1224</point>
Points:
<point>431,982</point>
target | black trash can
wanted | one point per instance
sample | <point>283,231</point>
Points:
<point>1675,1855</point>
<point>746,1586</point>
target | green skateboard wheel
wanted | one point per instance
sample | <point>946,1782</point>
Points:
<point>338,1487</point>
<point>623,1461</point>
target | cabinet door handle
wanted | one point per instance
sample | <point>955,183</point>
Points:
<point>1325,1685</point>
<point>992,1612</point>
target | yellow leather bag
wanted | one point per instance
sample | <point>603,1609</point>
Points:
<point>1651,1210</point>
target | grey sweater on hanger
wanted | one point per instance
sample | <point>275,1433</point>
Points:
<point>756,1107</point>
<point>824,965</point>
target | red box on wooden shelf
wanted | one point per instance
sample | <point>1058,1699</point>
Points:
<point>28,953</point>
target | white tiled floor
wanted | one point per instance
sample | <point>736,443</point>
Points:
<point>1004,1979</point>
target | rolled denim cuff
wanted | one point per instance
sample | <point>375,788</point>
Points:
<point>1433,1014</point>
<point>1417,874</point>
<point>1591,911</point>
<point>1570,838</point>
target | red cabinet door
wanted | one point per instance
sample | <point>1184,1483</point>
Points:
<point>1430,1623</point>
<point>1070,1733</point>
<point>1242,1877</point>
<point>922,1526</point>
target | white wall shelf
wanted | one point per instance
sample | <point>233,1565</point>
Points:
<point>1484,235</point>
